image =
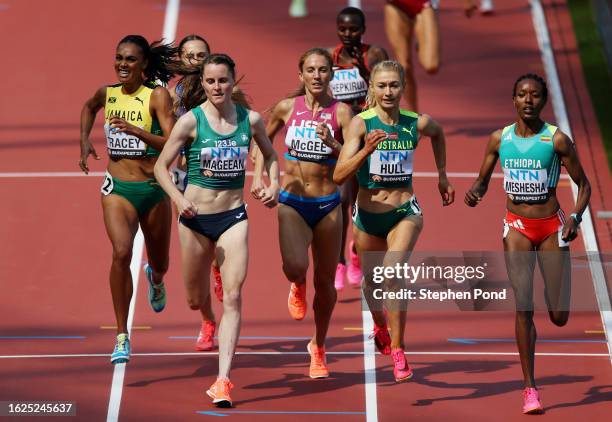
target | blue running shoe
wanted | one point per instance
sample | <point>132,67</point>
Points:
<point>156,292</point>
<point>121,354</point>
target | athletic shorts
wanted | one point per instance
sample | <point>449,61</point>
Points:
<point>312,210</point>
<point>536,230</point>
<point>380,224</point>
<point>213,226</point>
<point>410,7</point>
<point>142,195</point>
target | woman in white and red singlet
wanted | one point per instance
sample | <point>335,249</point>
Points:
<point>309,213</point>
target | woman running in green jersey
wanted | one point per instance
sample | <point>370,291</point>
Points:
<point>387,217</point>
<point>353,61</point>
<point>531,152</point>
<point>309,214</point>
<point>216,136</point>
<point>138,119</point>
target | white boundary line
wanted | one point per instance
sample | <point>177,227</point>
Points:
<point>588,232</point>
<point>114,401</point>
<point>34,174</point>
<point>369,363</point>
<point>273,353</point>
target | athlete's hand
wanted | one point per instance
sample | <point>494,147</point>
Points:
<point>469,7</point>
<point>121,125</point>
<point>446,191</point>
<point>186,208</point>
<point>270,196</point>
<point>570,230</point>
<point>373,139</point>
<point>257,188</point>
<point>472,198</point>
<point>87,149</point>
<point>325,135</point>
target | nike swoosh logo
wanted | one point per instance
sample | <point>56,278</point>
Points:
<point>299,113</point>
<point>324,206</point>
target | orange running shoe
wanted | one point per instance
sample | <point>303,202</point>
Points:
<point>205,341</point>
<point>218,282</point>
<point>318,363</point>
<point>297,301</point>
<point>220,392</point>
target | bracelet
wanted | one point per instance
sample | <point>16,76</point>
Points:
<point>577,217</point>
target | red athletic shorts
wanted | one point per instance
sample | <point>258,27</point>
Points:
<point>536,229</point>
<point>410,7</point>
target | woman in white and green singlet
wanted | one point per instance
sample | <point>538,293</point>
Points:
<point>138,119</point>
<point>531,153</point>
<point>216,136</point>
<point>387,217</point>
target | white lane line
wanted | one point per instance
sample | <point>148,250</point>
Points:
<point>588,232</point>
<point>114,401</point>
<point>272,353</point>
<point>171,20</point>
<point>18,175</point>
<point>369,363</point>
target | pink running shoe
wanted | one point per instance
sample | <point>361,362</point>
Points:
<point>205,341</point>
<point>401,370</point>
<point>531,402</point>
<point>340,274</point>
<point>382,339</point>
<point>354,273</point>
<point>218,282</point>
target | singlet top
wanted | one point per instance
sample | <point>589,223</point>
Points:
<point>134,109</point>
<point>530,165</point>
<point>216,161</point>
<point>348,84</point>
<point>390,165</point>
<point>301,139</point>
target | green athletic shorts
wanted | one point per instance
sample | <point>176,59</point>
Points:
<point>142,195</point>
<point>380,224</point>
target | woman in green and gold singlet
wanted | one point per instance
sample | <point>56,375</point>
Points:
<point>531,153</point>
<point>387,217</point>
<point>137,120</point>
<point>216,135</point>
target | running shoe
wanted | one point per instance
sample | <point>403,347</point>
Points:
<point>401,370</point>
<point>298,9</point>
<point>220,392</point>
<point>318,362</point>
<point>121,353</point>
<point>218,282</point>
<point>382,339</point>
<point>531,402</point>
<point>486,7</point>
<point>340,274</point>
<point>156,291</point>
<point>205,341</point>
<point>354,273</point>
<point>297,301</point>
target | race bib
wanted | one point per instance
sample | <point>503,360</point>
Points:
<point>391,165</point>
<point>303,143</point>
<point>122,145</point>
<point>348,84</point>
<point>179,177</point>
<point>523,185</point>
<point>223,162</point>
<point>107,184</point>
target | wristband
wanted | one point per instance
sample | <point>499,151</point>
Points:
<point>577,218</point>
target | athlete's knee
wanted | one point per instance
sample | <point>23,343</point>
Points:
<point>122,254</point>
<point>159,266</point>
<point>194,304</point>
<point>431,66</point>
<point>559,318</point>
<point>231,298</point>
<point>295,271</point>
<point>524,316</point>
